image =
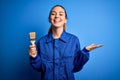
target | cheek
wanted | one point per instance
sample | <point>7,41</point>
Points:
<point>50,20</point>
<point>52,17</point>
<point>64,20</point>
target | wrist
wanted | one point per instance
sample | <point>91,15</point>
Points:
<point>85,49</point>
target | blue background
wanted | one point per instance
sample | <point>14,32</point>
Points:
<point>93,21</point>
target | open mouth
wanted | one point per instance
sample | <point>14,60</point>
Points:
<point>57,20</point>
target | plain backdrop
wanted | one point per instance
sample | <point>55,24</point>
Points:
<point>92,21</point>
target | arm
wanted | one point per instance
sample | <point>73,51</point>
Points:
<point>35,59</point>
<point>37,62</point>
<point>80,58</point>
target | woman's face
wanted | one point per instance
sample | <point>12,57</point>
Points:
<point>57,17</point>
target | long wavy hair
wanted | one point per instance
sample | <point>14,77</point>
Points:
<point>64,26</point>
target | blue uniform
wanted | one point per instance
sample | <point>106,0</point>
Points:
<point>59,59</point>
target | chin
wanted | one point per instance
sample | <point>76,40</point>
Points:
<point>57,26</point>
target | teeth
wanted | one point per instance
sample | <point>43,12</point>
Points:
<point>57,20</point>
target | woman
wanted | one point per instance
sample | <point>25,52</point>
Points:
<point>58,55</point>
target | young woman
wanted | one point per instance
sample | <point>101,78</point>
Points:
<point>57,55</point>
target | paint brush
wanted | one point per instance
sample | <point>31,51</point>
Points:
<point>32,38</point>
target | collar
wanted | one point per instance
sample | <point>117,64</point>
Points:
<point>62,38</point>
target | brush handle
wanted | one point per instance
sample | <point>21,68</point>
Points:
<point>32,42</point>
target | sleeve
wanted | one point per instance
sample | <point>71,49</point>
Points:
<point>80,58</point>
<point>36,62</point>
<point>40,63</point>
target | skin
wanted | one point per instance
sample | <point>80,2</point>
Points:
<point>57,20</point>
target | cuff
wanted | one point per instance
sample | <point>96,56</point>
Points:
<point>85,50</point>
<point>34,59</point>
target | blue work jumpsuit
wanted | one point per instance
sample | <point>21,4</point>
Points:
<point>59,59</point>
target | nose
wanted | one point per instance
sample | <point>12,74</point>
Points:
<point>57,15</point>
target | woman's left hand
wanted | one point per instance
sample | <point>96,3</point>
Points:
<point>93,46</point>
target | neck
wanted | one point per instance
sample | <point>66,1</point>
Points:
<point>57,32</point>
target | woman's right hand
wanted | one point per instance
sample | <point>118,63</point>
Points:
<point>32,51</point>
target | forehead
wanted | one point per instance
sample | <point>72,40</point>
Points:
<point>58,9</point>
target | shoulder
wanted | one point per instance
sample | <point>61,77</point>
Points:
<point>43,38</point>
<point>71,35</point>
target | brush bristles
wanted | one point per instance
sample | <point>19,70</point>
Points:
<point>32,35</point>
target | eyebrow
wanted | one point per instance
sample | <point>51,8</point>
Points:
<point>59,12</point>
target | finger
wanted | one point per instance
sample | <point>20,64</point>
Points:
<point>100,45</point>
<point>92,44</point>
<point>32,46</point>
<point>33,52</point>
